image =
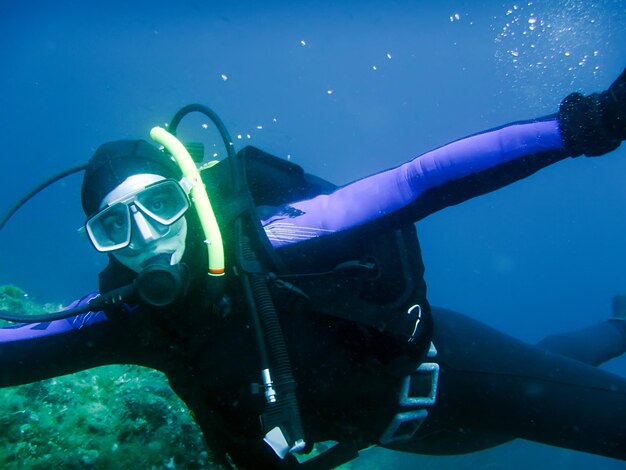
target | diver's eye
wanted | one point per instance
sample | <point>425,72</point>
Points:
<point>116,226</point>
<point>164,202</point>
<point>159,206</point>
<point>114,222</point>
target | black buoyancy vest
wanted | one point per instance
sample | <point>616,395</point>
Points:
<point>369,276</point>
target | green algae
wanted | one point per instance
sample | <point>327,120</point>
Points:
<point>13,299</point>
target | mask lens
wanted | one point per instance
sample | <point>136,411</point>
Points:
<point>164,202</point>
<point>110,229</point>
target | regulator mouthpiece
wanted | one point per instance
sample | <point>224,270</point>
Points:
<point>160,284</point>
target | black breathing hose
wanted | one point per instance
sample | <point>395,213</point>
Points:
<point>28,196</point>
<point>159,284</point>
<point>93,305</point>
<point>285,411</point>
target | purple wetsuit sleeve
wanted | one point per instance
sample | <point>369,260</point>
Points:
<point>31,352</point>
<point>439,178</point>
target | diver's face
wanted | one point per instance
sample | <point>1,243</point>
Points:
<point>145,214</point>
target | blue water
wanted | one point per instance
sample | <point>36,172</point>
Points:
<point>344,90</point>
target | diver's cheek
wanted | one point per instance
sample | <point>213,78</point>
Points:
<point>175,242</point>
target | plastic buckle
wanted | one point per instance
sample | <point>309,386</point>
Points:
<point>403,426</point>
<point>423,383</point>
<point>427,372</point>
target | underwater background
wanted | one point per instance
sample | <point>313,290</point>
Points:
<point>344,89</point>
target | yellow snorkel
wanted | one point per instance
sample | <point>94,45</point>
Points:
<point>199,197</point>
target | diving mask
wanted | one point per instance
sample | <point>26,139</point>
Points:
<point>151,210</point>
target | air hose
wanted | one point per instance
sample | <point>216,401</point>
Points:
<point>282,411</point>
<point>36,190</point>
<point>159,284</point>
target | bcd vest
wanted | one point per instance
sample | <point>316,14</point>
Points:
<point>372,277</point>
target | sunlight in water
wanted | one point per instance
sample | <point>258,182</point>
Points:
<point>561,43</point>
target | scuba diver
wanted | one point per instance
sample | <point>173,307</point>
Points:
<point>286,311</point>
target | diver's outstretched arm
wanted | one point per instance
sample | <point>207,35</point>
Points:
<point>461,170</point>
<point>37,351</point>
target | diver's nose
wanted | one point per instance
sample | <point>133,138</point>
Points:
<point>144,228</point>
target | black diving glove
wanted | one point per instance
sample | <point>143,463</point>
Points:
<point>596,124</point>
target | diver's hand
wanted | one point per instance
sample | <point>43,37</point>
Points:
<point>596,124</point>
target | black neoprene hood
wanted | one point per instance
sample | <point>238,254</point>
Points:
<point>115,161</point>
